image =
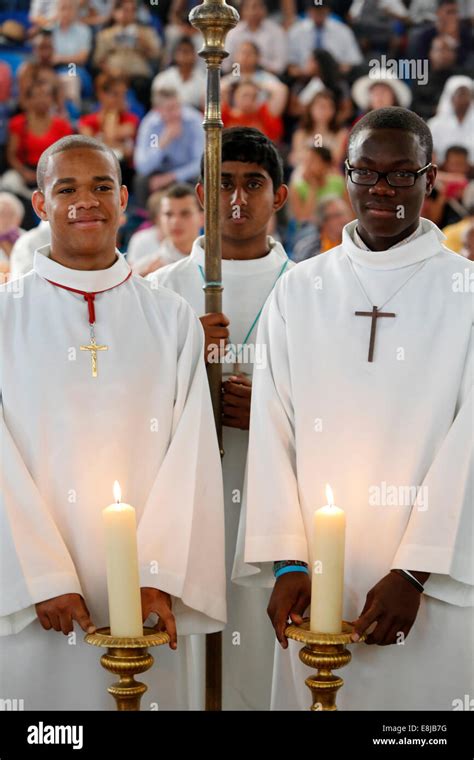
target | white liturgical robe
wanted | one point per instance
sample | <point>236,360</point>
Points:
<point>393,438</point>
<point>248,637</point>
<point>146,421</point>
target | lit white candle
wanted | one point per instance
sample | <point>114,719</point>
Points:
<point>327,587</point>
<point>123,580</point>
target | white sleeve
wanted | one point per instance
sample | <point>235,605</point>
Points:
<point>182,526</point>
<point>274,528</point>
<point>349,50</point>
<point>21,257</point>
<point>395,7</point>
<point>439,539</point>
<point>278,54</point>
<point>356,9</point>
<point>34,562</point>
<point>297,52</point>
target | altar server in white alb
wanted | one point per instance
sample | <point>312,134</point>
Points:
<point>368,387</point>
<point>102,379</point>
<point>252,190</point>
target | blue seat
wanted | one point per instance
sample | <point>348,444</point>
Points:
<point>15,15</point>
<point>13,58</point>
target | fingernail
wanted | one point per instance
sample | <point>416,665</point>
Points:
<point>355,637</point>
<point>91,629</point>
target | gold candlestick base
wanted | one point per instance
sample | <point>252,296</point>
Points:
<point>326,652</point>
<point>126,657</point>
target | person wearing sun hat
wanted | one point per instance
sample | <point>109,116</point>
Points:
<point>380,89</point>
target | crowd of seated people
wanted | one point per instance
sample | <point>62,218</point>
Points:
<point>303,72</point>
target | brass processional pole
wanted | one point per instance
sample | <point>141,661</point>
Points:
<point>214,19</point>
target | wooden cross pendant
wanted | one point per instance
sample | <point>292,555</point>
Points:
<point>93,348</point>
<point>375,314</point>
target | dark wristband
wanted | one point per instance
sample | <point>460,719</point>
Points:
<point>419,587</point>
<point>286,563</point>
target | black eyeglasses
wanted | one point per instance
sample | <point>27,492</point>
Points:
<point>395,179</point>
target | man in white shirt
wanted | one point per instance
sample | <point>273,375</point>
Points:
<point>42,12</point>
<point>186,75</point>
<point>21,257</point>
<point>269,36</point>
<point>320,30</point>
<point>72,40</point>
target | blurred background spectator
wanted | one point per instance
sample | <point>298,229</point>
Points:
<point>128,48</point>
<point>169,145</point>
<point>320,30</point>
<point>467,249</point>
<point>11,215</point>
<point>23,251</point>
<point>442,66</point>
<point>319,127</point>
<point>454,120</point>
<point>448,22</point>
<point>184,75</point>
<point>248,66</point>
<point>246,106</point>
<point>312,180</point>
<point>72,43</point>
<point>303,72</point>
<point>332,214</point>
<point>177,220</point>
<point>269,37</point>
<point>30,133</point>
<point>112,123</point>
<point>380,90</point>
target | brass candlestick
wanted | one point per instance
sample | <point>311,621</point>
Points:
<point>326,652</point>
<point>126,657</point>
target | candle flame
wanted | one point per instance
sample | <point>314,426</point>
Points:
<point>117,492</point>
<point>329,495</point>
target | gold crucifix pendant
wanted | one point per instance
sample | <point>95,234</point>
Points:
<point>93,347</point>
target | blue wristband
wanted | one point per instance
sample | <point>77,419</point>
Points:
<point>291,569</point>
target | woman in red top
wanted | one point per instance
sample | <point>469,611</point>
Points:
<point>246,111</point>
<point>31,132</point>
<point>112,123</point>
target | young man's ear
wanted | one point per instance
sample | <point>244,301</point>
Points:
<point>199,190</point>
<point>123,198</point>
<point>280,197</point>
<point>431,178</point>
<point>37,201</point>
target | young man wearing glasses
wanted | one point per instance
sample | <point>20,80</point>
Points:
<point>368,387</point>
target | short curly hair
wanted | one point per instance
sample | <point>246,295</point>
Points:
<point>394,117</point>
<point>70,142</point>
<point>251,146</point>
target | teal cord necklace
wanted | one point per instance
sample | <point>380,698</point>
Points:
<point>252,326</point>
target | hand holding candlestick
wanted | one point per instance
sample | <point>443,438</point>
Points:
<point>390,610</point>
<point>290,597</point>
<point>159,602</point>
<point>60,612</point>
